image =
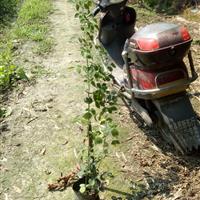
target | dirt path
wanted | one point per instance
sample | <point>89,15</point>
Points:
<point>34,150</point>
<point>40,140</point>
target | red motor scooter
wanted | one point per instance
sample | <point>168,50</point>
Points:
<point>150,69</point>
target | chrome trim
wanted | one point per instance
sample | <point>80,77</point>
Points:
<point>160,49</point>
<point>159,92</point>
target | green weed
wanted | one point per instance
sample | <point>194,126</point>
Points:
<point>35,32</point>
<point>9,74</point>
<point>8,9</point>
<point>34,11</point>
<point>45,46</point>
<point>196,42</point>
<point>39,71</point>
<point>31,23</point>
<point>2,112</point>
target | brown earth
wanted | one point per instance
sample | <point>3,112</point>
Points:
<point>39,140</point>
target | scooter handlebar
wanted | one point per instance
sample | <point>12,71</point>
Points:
<point>96,11</point>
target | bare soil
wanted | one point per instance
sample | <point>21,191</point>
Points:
<point>35,144</point>
<point>40,141</point>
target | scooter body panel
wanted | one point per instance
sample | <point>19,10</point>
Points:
<point>153,84</point>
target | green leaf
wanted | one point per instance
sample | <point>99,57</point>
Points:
<point>92,182</point>
<point>21,74</point>
<point>98,140</point>
<point>2,112</point>
<point>110,68</point>
<point>77,7</point>
<point>81,173</point>
<point>76,15</point>
<point>88,100</point>
<point>87,115</point>
<point>112,108</point>
<point>115,142</point>
<point>115,132</point>
<point>82,188</point>
<point>93,111</point>
<point>78,69</point>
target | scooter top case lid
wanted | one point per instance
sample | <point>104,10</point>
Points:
<point>159,35</point>
<point>106,3</point>
<point>159,44</point>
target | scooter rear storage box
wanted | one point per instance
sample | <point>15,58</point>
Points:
<point>158,45</point>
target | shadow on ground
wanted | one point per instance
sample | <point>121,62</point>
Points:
<point>153,186</point>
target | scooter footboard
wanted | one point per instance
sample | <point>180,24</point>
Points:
<point>179,122</point>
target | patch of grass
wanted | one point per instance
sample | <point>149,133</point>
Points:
<point>9,72</point>
<point>35,32</point>
<point>5,112</point>
<point>44,46</point>
<point>39,71</point>
<point>187,14</point>
<point>32,24</point>
<point>9,75</point>
<point>145,16</point>
<point>34,11</point>
<point>196,42</point>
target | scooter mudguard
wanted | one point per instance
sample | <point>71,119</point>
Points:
<point>179,122</point>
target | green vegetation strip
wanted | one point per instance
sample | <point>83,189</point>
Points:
<point>31,24</point>
<point>8,10</point>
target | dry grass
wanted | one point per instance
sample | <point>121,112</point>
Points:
<point>191,16</point>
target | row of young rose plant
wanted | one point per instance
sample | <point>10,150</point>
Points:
<point>101,103</point>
